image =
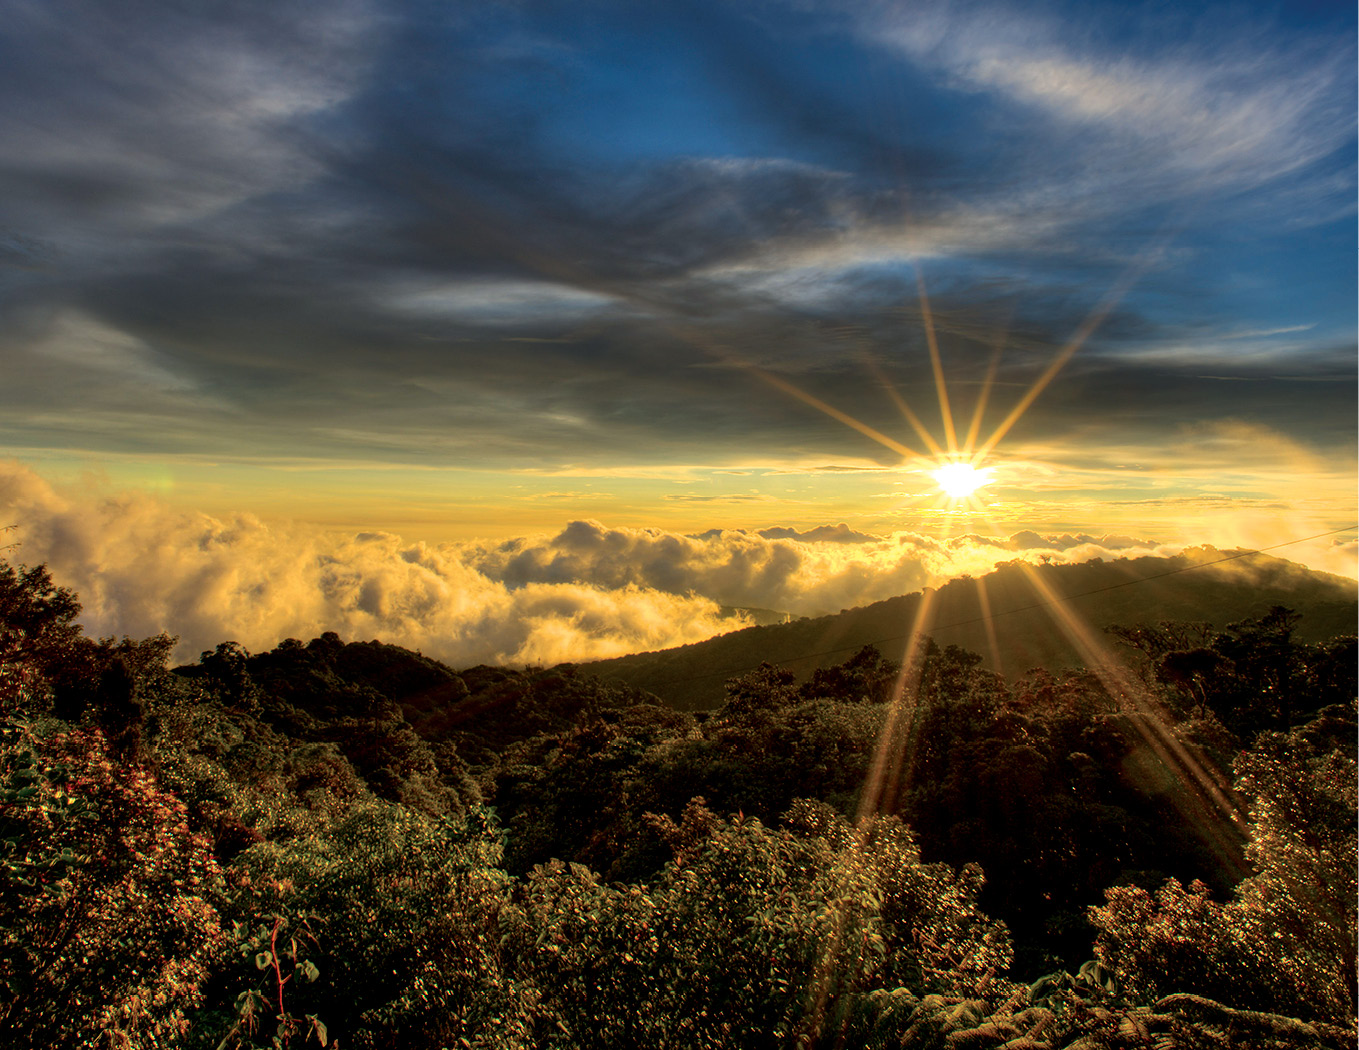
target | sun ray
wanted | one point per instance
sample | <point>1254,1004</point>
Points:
<point>1208,802</point>
<point>905,409</point>
<point>974,428</point>
<point>1087,328</point>
<point>988,622</point>
<point>896,738</point>
<point>945,412</point>
<point>836,414</point>
<point>1040,384</point>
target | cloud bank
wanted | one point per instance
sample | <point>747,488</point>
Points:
<point>587,592</point>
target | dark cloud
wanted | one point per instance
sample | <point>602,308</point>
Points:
<point>428,234</point>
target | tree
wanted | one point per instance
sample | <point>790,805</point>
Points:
<point>767,688</point>
<point>1301,902</point>
<point>752,935</point>
<point>866,677</point>
<point>38,632</point>
<point>1285,942</point>
<point>406,911</point>
<point>107,928</point>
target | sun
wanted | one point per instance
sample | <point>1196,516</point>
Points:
<point>960,480</point>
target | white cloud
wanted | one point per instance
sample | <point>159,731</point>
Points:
<point>587,592</point>
<point>141,567</point>
<point>495,301</point>
<point>1174,114</point>
<point>90,346</point>
<point>808,573</point>
<point>1239,109</point>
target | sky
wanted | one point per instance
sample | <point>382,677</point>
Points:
<point>529,330</point>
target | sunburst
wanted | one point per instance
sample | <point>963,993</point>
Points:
<point>960,479</point>
<point>961,469</point>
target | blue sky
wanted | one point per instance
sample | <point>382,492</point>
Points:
<point>468,267</point>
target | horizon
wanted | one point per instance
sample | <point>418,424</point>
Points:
<point>528,609</point>
<point>537,330</point>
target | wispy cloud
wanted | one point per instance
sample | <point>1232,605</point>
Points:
<point>145,116</point>
<point>1239,107</point>
<point>489,301</point>
<point>487,237</point>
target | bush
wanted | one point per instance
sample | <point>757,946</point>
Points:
<point>106,929</point>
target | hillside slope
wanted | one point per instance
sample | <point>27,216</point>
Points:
<point>1032,613</point>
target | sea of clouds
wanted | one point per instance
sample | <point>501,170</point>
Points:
<point>586,592</point>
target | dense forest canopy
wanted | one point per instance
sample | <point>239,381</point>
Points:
<point>350,843</point>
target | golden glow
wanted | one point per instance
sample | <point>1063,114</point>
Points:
<point>960,480</point>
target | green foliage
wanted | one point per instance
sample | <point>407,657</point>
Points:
<point>406,911</point>
<point>320,801</point>
<point>1286,941</point>
<point>751,935</point>
<point>581,796</point>
<point>1176,939</point>
<point>334,696</point>
<point>107,928</point>
<point>37,618</point>
<point>866,677</point>
<point>765,689</point>
<point>1253,675</point>
<point>47,665</point>
<point>1300,904</point>
<point>280,952</point>
<point>226,673</point>
<point>1032,782</point>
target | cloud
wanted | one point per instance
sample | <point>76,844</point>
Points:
<point>803,572</point>
<point>140,568</point>
<point>586,592</point>
<point>735,497</point>
<point>472,237</point>
<point>493,302</point>
<point>119,122</point>
<point>1242,108</point>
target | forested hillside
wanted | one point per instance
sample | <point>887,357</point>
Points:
<point>348,843</point>
<point>1012,617</point>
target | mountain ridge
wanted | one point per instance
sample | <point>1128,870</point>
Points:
<point>1025,628</point>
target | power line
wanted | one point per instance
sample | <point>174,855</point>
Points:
<point>1008,612</point>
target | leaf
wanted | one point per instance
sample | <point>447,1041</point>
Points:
<point>263,959</point>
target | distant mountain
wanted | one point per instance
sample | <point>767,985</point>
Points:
<point>758,617</point>
<point>1034,612</point>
